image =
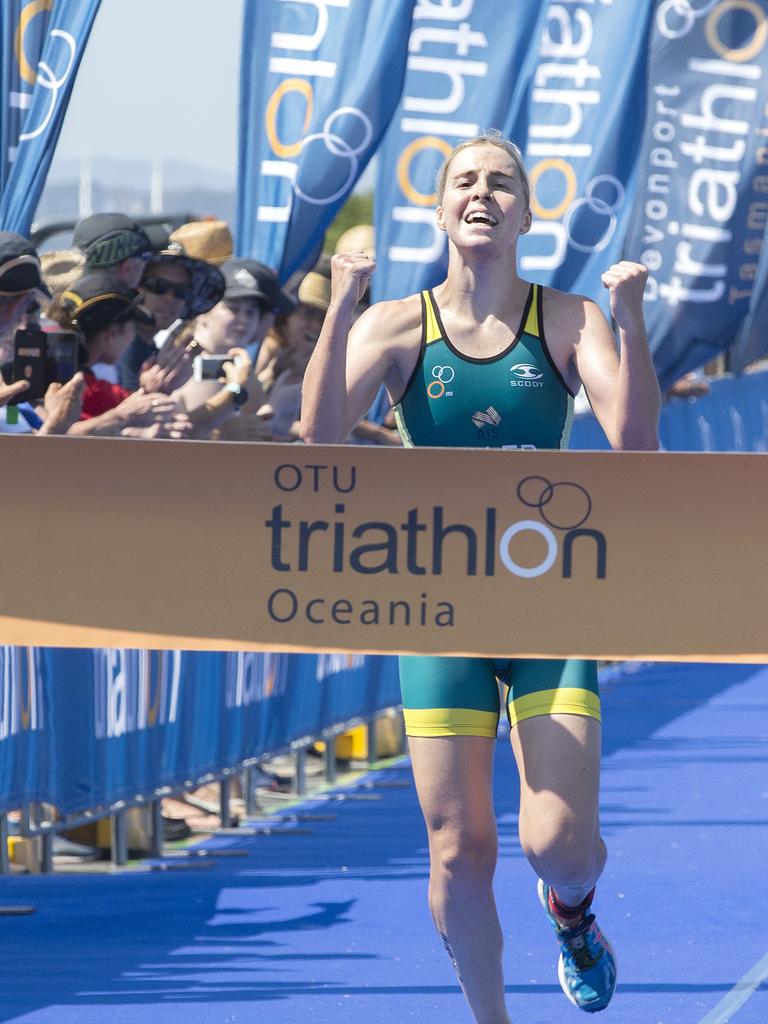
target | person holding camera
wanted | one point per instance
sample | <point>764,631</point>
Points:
<point>229,335</point>
<point>104,311</point>
<point>176,288</point>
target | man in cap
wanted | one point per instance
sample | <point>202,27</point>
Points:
<point>21,284</point>
<point>114,242</point>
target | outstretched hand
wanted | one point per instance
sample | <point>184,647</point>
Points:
<point>625,282</point>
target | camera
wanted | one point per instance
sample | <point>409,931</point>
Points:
<point>211,367</point>
<point>42,358</point>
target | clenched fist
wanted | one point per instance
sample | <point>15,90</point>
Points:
<point>626,283</point>
<point>350,273</point>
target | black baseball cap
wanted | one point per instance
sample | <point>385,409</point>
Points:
<point>20,267</point>
<point>107,239</point>
<point>97,300</point>
<point>249,279</point>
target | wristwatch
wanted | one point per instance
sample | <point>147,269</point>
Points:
<point>239,394</point>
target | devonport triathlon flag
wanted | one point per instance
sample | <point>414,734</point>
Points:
<point>700,214</point>
<point>468,68</point>
<point>41,45</point>
<point>320,80</point>
<point>584,128</point>
<point>752,342</point>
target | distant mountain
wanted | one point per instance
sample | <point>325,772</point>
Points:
<point>137,174</point>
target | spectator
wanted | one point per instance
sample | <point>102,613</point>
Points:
<point>175,287</point>
<point>21,287</point>
<point>104,311</point>
<point>237,325</point>
<point>114,242</point>
<point>690,386</point>
<point>209,240</point>
<point>21,284</point>
<point>252,299</point>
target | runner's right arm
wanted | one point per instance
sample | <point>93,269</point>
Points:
<point>347,366</point>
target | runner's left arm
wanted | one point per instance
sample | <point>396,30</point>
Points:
<point>621,385</point>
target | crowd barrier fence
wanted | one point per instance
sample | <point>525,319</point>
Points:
<point>92,732</point>
<point>733,417</point>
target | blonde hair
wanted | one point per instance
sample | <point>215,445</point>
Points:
<point>490,137</point>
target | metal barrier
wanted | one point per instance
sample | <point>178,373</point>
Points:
<point>92,733</point>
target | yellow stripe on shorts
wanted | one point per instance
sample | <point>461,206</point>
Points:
<point>565,700</point>
<point>450,722</point>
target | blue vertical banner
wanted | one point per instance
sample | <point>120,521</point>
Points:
<point>585,114</point>
<point>41,45</point>
<point>319,82</point>
<point>752,341</point>
<point>702,203</point>
<point>469,64</point>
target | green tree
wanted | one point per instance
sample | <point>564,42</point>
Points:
<point>358,209</point>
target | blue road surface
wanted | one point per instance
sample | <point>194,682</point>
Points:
<point>332,927</point>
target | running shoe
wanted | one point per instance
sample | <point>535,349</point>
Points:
<point>587,966</point>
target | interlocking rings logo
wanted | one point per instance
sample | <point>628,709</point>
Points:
<point>676,18</point>
<point>598,207</point>
<point>443,375</point>
<point>564,507</point>
<point>526,371</point>
<point>338,148</point>
<point>45,77</point>
<point>569,505</point>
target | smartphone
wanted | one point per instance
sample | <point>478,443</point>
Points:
<point>209,367</point>
<point>42,358</point>
<point>29,358</point>
<point>63,356</point>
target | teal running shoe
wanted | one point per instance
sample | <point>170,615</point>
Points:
<point>587,966</point>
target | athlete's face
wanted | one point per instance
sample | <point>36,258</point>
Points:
<point>484,203</point>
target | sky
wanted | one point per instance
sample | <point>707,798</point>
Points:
<point>159,79</point>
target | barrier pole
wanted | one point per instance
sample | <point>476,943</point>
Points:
<point>119,839</point>
<point>330,757</point>
<point>370,733</point>
<point>156,827</point>
<point>225,789</point>
<point>249,791</point>
<point>5,860</point>
<point>300,771</point>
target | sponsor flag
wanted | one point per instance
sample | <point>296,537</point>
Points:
<point>752,342</point>
<point>319,82</point>
<point>41,45</point>
<point>585,111</point>
<point>468,67</point>
<point>700,213</point>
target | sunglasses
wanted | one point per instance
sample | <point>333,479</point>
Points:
<point>159,286</point>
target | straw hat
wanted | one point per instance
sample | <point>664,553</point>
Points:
<point>62,268</point>
<point>209,240</point>
<point>315,291</point>
<point>357,239</point>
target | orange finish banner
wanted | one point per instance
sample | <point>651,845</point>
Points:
<point>194,545</point>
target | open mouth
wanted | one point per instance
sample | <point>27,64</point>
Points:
<point>481,217</point>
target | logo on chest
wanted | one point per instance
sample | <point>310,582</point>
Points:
<point>443,376</point>
<point>526,375</point>
<point>486,423</point>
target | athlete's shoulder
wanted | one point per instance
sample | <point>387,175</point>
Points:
<point>568,312</point>
<point>390,319</point>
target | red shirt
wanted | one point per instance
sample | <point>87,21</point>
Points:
<point>100,396</point>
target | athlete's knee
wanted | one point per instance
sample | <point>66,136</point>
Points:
<point>563,851</point>
<point>463,853</point>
